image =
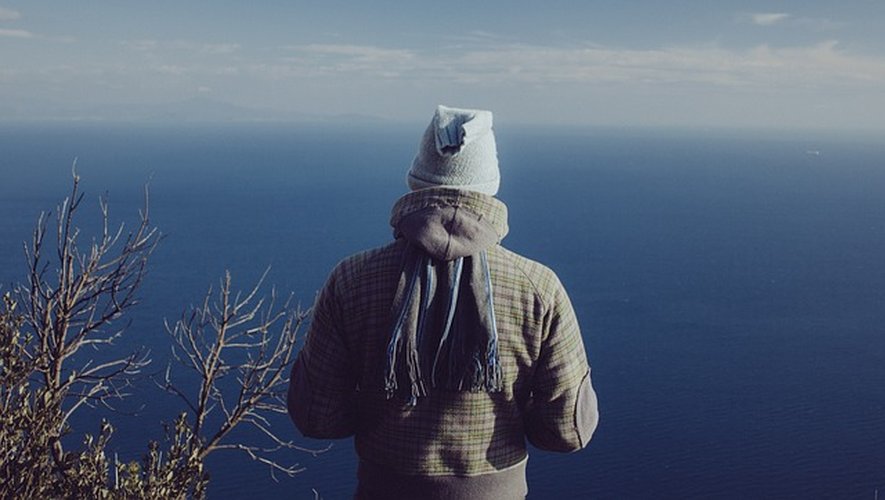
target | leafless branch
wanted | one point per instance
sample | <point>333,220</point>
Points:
<point>80,304</point>
<point>54,363</point>
<point>247,335</point>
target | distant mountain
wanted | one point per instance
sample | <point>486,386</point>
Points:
<point>198,109</point>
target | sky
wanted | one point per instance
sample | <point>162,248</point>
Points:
<point>768,64</point>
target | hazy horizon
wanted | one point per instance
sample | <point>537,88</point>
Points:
<point>805,65</point>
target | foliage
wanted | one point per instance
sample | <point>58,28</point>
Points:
<point>30,418</point>
<point>45,323</point>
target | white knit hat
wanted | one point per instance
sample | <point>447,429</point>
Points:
<point>457,150</point>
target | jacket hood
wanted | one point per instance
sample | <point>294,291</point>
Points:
<point>449,223</point>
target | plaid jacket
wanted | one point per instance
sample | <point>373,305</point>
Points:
<point>337,382</point>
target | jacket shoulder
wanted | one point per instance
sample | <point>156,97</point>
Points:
<point>543,280</point>
<point>363,265</point>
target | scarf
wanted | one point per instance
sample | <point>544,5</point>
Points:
<point>444,334</point>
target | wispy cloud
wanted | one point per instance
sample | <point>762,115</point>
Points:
<point>375,78</point>
<point>15,33</point>
<point>783,18</point>
<point>344,58</point>
<point>363,52</point>
<point>767,18</point>
<point>9,14</point>
<point>26,34</point>
<point>497,65</point>
<point>818,24</point>
<point>181,46</point>
<point>512,64</point>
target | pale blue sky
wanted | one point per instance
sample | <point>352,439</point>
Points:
<point>774,64</point>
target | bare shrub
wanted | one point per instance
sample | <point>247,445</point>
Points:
<point>75,298</point>
<point>230,334</point>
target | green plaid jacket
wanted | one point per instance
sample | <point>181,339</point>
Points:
<point>337,391</point>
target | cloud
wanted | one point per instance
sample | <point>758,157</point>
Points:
<point>170,69</point>
<point>9,14</point>
<point>389,79</point>
<point>367,54</point>
<point>16,33</point>
<point>140,45</point>
<point>218,48</point>
<point>326,59</point>
<point>181,46</point>
<point>768,18</point>
<point>25,34</point>
<point>818,24</point>
<point>822,64</point>
<point>496,64</point>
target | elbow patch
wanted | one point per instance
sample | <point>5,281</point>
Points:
<point>586,411</point>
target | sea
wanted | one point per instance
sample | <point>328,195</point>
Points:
<point>730,284</point>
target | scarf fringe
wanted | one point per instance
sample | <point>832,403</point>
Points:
<point>478,370</point>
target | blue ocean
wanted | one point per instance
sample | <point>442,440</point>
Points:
<point>730,284</point>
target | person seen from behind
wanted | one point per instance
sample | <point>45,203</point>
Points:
<point>443,352</point>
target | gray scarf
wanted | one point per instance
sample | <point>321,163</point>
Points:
<point>444,333</point>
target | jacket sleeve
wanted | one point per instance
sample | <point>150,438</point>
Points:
<point>562,412</point>
<point>322,387</point>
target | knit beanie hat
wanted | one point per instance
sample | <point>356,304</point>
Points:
<point>457,150</point>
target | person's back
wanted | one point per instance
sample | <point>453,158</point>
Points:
<point>442,352</point>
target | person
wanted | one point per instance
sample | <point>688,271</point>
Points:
<point>442,352</point>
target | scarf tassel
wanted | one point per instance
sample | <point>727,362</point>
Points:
<point>479,370</point>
